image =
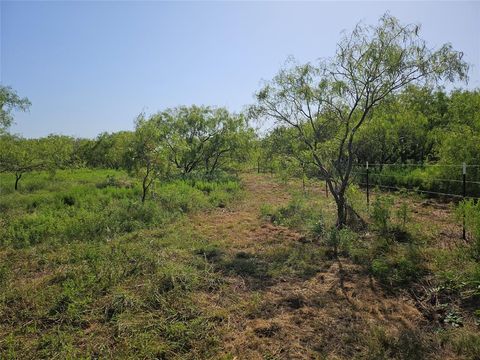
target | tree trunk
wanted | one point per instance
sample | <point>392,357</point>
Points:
<point>340,201</point>
<point>17,179</point>
<point>215,164</point>
<point>341,210</point>
<point>144,188</point>
<point>346,215</point>
<point>145,183</point>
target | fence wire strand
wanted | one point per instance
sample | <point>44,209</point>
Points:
<point>406,176</point>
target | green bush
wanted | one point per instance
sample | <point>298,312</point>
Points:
<point>403,214</point>
<point>398,268</point>
<point>381,213</point>
<point>298,215</point>
<point>180,196</point>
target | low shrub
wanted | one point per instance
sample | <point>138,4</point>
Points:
<point>381,213</point>
<point>298,215</point>
<point>399,267</point>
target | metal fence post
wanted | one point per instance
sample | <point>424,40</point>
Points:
<point>368,188</point>
<point>464,174</point>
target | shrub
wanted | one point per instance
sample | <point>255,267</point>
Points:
<point>398,268</point>
<point>113,181</point>
<point>297,215</point>
<point>381,213</point>
<point>403,214</point>
<point>179,196</point>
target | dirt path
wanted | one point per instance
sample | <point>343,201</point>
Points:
<point>331,313</point>
<point>240,227</point>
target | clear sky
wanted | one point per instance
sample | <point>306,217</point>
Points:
<point>89,67</point>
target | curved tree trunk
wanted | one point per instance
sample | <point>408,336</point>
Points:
<point>17,179</point>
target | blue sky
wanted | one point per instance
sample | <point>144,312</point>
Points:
<point>89,67</point>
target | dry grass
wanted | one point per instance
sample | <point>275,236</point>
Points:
<point>264,292</point>
<point>330,314</point>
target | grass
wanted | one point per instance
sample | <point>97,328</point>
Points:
<point>206,270</point>
<point>87,269</point>
<point>86,205</point>
<point>403,255</point>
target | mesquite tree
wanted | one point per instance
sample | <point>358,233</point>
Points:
<point>20,156</point>
<point>329,101</point>
<point>9,101</point>
<point>146,155</point>
<point>199,138</point>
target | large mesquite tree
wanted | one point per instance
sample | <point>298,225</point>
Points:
<point>328,102</point>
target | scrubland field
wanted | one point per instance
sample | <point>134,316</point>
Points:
<point>336,217</point>
<point>237,267</point>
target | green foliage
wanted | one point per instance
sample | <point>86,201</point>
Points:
<point>107,150</point>
<point>399,267</point>
<point>9,101</point>
<point>403,214</point>
<point>343,240</point>
<point>200,138</point>
<point>394,264</point>
<point>381,213</point>
<point>356,199</point>
<point>299,215</point>
<point>470,210</point>
<point>93,210</point>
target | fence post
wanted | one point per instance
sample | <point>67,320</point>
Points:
<point>368,189</point>
<point>326,188</point>
<point>464,174</point>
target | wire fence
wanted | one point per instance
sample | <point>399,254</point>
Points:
<point>455,182</point>
<point>384,178</point>
<point>380,175</point>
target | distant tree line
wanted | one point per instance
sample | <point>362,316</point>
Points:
<point>176,142</point>
<point>377,99</point>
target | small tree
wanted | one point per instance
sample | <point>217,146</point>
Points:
<point>230,144</point>
<point>327,103</point>
<point>146,156</point>
<point>19,156</point>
